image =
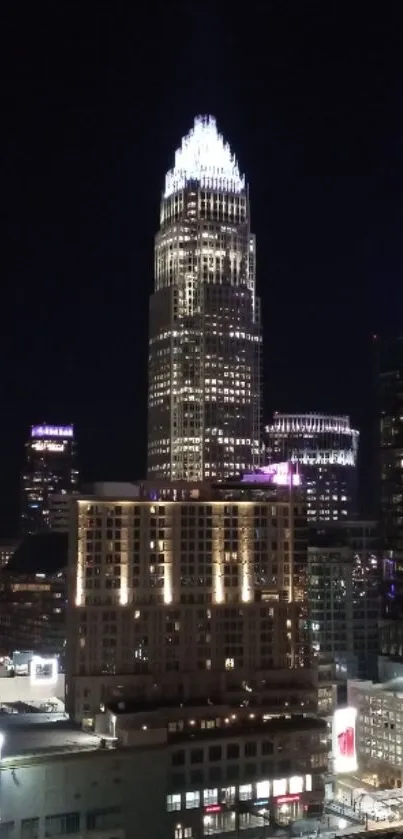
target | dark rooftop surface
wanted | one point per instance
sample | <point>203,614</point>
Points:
<point>24,737</point>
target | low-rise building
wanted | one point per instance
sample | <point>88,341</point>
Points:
<point>379,731</point>
<point>177,772</point>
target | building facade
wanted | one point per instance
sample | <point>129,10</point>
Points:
<point>379,731</point>
<point>344,594</point>
<point>50,467</point>
<point>390,390</point>
<point>189,597</point>
<point>164,777</point>
<point>325,447</point>
<point>33,597</point>
<point>7,550</point>
<point>205,336</point>
<point>390,461</point>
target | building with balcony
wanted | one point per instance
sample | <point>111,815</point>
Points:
<point>200,596</point>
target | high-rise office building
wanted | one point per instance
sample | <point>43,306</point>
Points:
<point>50,467</point>
<point>389,357</point>
<point>325,447</point>
<point>390,390</point>
<point>205,336</point>
<point>344,596</point>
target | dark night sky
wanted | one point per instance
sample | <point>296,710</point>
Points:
<point>95,99</point>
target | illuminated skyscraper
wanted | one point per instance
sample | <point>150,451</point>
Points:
<point>49,468</point>
<point>205,337</point>
<point>325,447</point>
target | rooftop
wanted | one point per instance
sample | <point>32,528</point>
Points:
<point>36,735</point>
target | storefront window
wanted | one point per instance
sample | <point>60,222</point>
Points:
<point>245,792</point>
<point>296,784</point>
<point>279,787</point>
<point>263,789</point>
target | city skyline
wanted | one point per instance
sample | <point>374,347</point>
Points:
<point>82,208</point>
<point>201,432</point>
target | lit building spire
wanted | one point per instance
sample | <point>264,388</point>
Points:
<point>204,157</point>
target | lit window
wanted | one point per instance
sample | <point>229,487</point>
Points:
<point>279,787</point>
<point>173,802</point>
<point>210,796</point>
<point>192,800</point>
<point>229,663</point>
<point>308,783</point>
<point>296,784</point>
<point>245,792</point>
<point>263,789</point>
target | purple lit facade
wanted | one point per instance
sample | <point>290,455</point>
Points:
<point>278,474</point>
<point>50,469</point>
<point>50,431</point>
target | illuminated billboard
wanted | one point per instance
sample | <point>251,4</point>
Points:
<point>52,431</point>
<point>343,741</point>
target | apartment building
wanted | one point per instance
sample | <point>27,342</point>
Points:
<point>193,597</point>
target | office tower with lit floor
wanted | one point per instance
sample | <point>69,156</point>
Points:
<point>325,448</point>
<point>205,336</point>
<point>50,467</point>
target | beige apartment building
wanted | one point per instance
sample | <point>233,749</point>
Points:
<point>194,594</point>
<point>187,620</point>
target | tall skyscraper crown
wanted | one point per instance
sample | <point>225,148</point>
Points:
<point>204,156</point>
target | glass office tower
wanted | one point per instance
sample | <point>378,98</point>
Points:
<point>325,447</point>
<point>205,336</point>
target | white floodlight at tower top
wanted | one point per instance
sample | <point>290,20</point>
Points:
<point>206,158</point>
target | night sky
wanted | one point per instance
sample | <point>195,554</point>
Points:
<point>95,99</point>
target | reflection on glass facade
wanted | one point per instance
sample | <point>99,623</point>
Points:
<point>325,447</point>
<point>50,467</point>
<point>205,338</point>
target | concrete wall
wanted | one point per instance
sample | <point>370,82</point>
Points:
<point>132,780</point>
<point>20,689</point>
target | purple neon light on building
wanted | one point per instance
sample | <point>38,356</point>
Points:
<point>58,431</point>
<point>278,474</point>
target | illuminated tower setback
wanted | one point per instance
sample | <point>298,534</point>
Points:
<point>50,467</point>
<point>205,335</point>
